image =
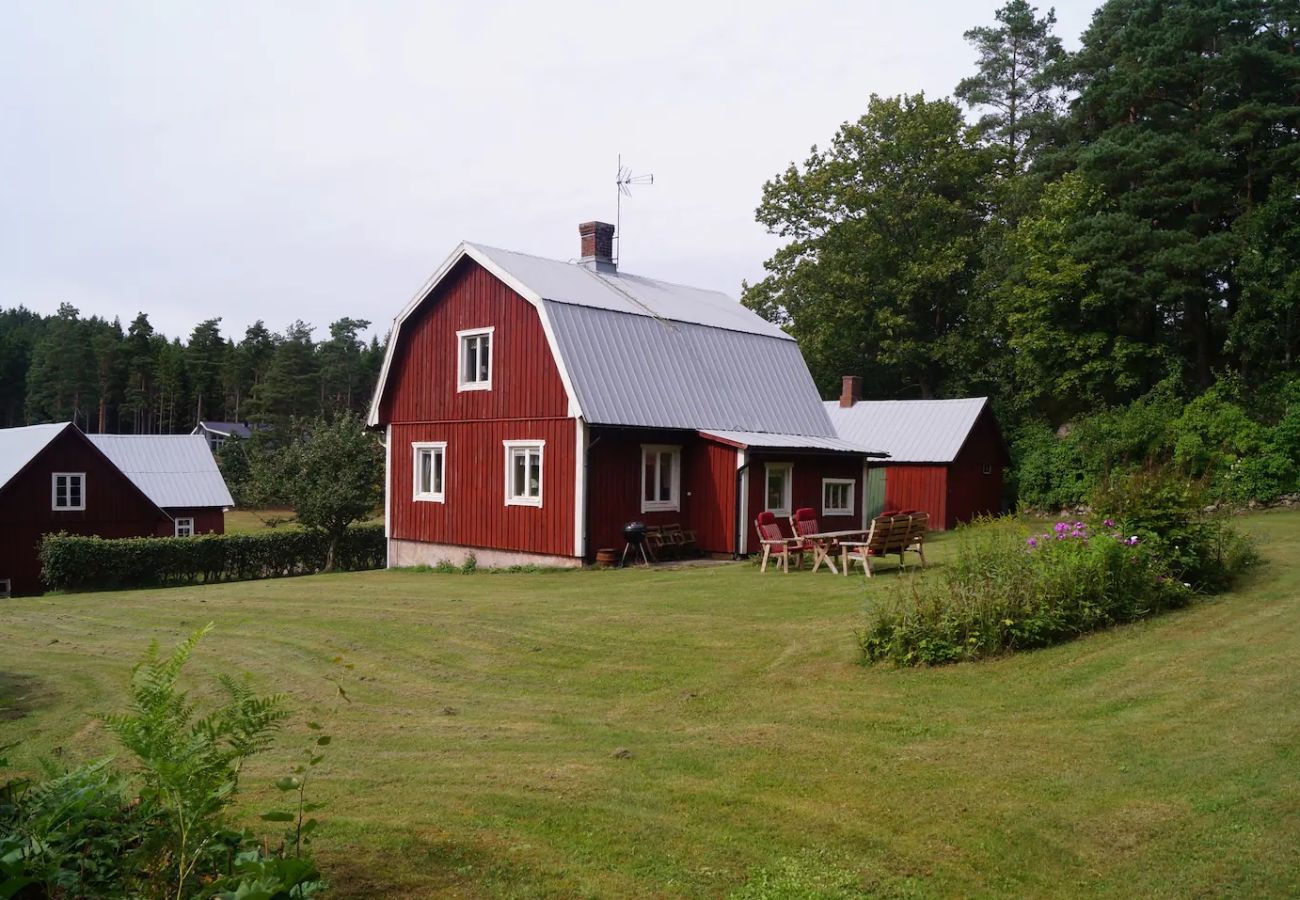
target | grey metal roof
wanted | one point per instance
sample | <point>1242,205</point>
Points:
<point>18,446</point>
<point>172,470</point>
<point>909,430</point>
<point>789,441</point>
<point>228,429</point>
<point>581,285</point>
<point>648,372</point>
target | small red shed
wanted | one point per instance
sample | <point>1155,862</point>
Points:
<point>946,457</point>
<point>531,407</point>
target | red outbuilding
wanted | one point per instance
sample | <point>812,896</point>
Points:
<point>531,407</point>
<point>946,457</point>
<point>55,478</point>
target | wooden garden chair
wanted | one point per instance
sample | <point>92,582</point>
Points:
<point>774,543</point>
<point>902,533</point>
<point>804,524</point>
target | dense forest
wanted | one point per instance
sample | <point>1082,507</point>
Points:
<point>1070,234</point>
<point>63,368</point>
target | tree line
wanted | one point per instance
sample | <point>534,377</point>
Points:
<point>1069,230</point>
<point>136,380</point>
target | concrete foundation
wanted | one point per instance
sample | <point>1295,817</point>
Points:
<point>419,553</point>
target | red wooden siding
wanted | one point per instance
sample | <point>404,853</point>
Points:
<point>114,507</point>
<point>923,487</point>
<point>422,381</point>
<point>972,492</point>
<point>475,514</point>
<point>809,470</point>
<point>707,496</point>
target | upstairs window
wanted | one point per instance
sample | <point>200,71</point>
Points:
<point>430,461</point>
<point>68,491</point>
<point>185,527</point>
<point>778,488</point>
<point>661,477</point>
<point>474,359</point>
<point>524,472</point>
<point>837,496</point>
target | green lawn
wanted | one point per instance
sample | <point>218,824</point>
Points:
<point>478,755</point>
<point>243,521</point>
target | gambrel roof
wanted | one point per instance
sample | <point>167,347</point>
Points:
<point>640,352</point>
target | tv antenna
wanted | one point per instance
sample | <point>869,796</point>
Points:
<point>624,181</point>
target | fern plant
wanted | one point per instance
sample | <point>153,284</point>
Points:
<point>188,764</point>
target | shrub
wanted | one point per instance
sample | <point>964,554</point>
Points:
<point>1007,592</point>
<point>163,829</point>
<point>1168,514</point>
<point>73,562</point>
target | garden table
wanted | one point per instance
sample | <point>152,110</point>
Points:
<point>823,542</point>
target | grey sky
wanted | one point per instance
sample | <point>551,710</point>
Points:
<point>315,160</point>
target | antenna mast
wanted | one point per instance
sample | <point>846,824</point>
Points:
<point>624,183</point>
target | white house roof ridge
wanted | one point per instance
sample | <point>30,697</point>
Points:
<point>172,470</point>
<point>931,431</point>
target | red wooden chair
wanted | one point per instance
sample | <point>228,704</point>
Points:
<point>774,543</point>
<point>804,523</point>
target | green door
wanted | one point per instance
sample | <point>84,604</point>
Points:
<point>874,503</point>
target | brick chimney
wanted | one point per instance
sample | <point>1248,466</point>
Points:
<point>851,393</point>
<point>597,245</point>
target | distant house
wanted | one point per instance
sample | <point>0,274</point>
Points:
<point>55,478</point>
<point>946,457</point>
<point>217,433</point>
<point>175,471</point>
<point>531,407</point>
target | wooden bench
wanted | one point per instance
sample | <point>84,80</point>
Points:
<point>902,533</point>
<point>667,541</point>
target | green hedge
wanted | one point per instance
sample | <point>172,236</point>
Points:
<point>71,562</point>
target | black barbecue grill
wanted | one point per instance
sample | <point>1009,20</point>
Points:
<point>634,534</point>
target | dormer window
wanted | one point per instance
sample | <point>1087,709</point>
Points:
<point>474,359</point>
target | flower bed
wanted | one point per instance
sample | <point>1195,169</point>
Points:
<point>1006,591</point>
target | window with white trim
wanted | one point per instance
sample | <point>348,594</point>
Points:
<point>777,488</point>
<point>837,496</point>
<point>524,472</point>
<point>185,527</point>
<point>661,477</point>
<point>429,478</point>
<point>68,491</point>
<point>474,359</point>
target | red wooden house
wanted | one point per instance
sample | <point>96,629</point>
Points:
<point>946,457</point>
<point>54,478</point>
<point>531,407</point>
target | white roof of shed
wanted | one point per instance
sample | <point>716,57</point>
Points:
<point>639,352</point>
<point>789,441</point>
<point>172,470</point>
<point>19,445</point>
<point>908,430</point>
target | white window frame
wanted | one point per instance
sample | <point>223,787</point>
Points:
<point>510,448</point>
<point>54,491</point>
<point>439,448</point>
<point>788,468</point>
<point>189,523</point>
<point>838,510</point>
<point>461,338</point>
<point>674,502</point>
